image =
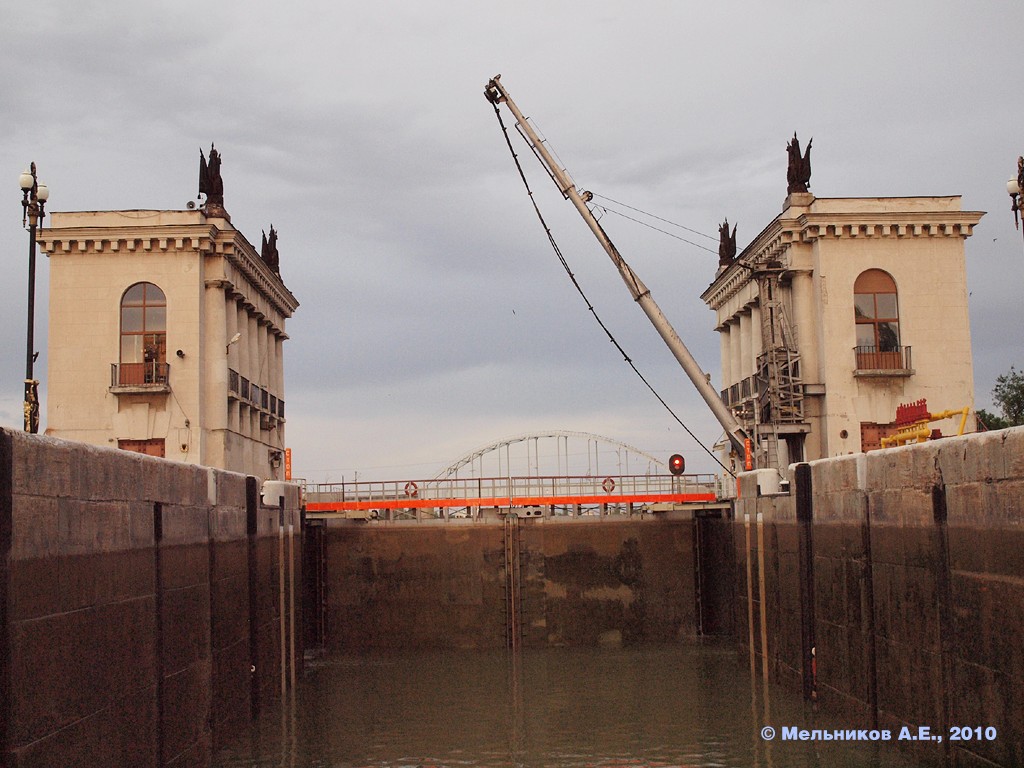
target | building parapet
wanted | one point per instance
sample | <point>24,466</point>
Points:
<point>808,219</point>
<point>119,232</point>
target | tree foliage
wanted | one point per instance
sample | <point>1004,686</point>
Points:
<point>990,421</point>
<point>1008,395</point>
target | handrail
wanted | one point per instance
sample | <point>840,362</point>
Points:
<point>150,374</point>
<point>510,491</point>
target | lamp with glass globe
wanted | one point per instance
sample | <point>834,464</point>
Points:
<point>1014,186</point>
<point>34,197</point>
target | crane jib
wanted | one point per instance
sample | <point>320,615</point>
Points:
<point>496,93</point>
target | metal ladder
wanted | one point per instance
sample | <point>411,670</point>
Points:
<point>778,366</point>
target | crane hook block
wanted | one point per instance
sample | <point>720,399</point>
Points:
<point>492,92</point>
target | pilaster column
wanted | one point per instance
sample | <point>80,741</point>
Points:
<point>756,340</point>
<point>736,361</point>
<point>725,353</point>
<point>213,383</point>
<point>746,366</point>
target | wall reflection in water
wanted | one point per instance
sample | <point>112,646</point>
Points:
<point>665,705</point>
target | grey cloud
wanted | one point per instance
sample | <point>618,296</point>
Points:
<point>360,131</point>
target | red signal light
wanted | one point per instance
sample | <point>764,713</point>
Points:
<point>676,464</point>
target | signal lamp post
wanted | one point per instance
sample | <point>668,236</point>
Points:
<point>33,206</point>
<point>676,464</point>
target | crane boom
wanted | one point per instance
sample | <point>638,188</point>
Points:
<point>496,94</point>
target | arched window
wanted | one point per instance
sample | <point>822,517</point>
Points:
<point>876,309</point>
<point>143,336</point>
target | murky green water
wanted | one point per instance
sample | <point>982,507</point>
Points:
<point>677,705</point>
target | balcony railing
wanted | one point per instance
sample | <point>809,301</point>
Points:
<point>154,376</point>
<point>740,392</point>
<point>255,396</point>
<point>871,360</point>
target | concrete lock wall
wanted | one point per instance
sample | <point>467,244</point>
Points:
<point>137,594</point>
<point>140,605</point>
<point>903,570</point>
<point>578,582</point>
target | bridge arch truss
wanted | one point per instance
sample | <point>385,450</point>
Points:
<point>555,452</point>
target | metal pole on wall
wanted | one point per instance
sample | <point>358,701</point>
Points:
<point>749,553</point>
<point>34,197</point>
<point>281,601</point>
<point>763,596</point>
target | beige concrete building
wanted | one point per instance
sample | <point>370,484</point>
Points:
<point>839,311</point>
<point>166,336</point>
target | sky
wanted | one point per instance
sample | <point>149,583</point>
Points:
<point>435,317</point>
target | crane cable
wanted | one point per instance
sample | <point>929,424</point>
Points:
<point>606,209</point>
<point>659,218</point>
<point>590,306</point>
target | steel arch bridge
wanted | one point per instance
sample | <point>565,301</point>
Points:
<point>564,447</point>
<point>519,473</point>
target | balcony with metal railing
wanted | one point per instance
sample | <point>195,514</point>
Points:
<point>140,378</point>
<point>893,361</point>
<point>270,406</point>
<point>740,392</point>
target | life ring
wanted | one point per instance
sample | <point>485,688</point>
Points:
<point>411,489</point>
<point>608,485</point>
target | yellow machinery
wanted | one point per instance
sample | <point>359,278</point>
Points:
<point>913,420</point>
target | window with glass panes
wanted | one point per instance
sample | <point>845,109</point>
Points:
<point>876,308</point>
<point>143,334</point>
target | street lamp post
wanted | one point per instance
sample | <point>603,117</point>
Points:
<point>1014,187</point>
<point>34,209</point>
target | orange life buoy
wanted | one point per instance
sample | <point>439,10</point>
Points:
<point>608,485</point>
<point>411,489</point>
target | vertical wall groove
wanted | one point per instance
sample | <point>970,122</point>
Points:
<point>312,580</point>
<point>943,595</point>
<point>748,556</point>
<point>714,577</point>
<point>252,502</point>
<point>158,610</point>
<point>513,628</point>
<point>805,523</point>
<point>698,573</point>
<point>282,606</point>
<point>869,611</point>
<point>6,541</point>
<point>211,566</point>
<point>320,574</point>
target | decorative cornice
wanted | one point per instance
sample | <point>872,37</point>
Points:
<point>122,239</point>
<point>803,224</point>
<point>240,253</point>
<point>150,231</point>
<point>815,226</point>
<point>770,245</point>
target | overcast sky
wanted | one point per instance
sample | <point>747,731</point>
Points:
<point>434,316</point>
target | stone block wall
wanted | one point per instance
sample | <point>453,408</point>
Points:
<point>126,618</point>
<point>904,573</point>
